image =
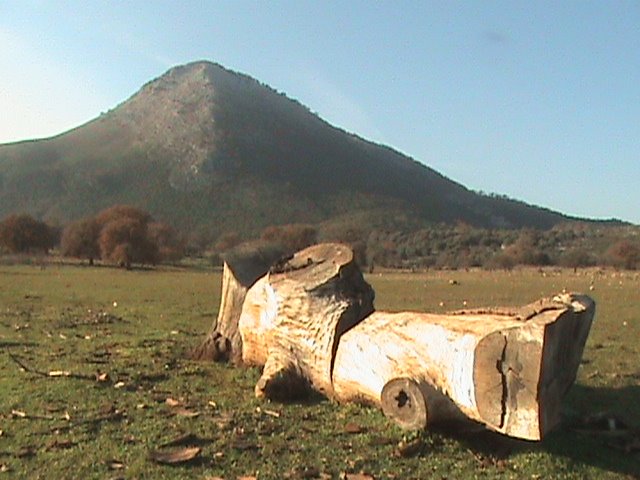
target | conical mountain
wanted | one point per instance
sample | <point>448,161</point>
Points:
<point>205,147</point>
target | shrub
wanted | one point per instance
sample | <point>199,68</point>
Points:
<point>227,241</point>
<point>292,237</point>
<point>170,246</point>
<point>118,212</point>
<point>624,254</point>
<point>525,250</point>
<point>23,233</point>
<point>576,258</point>
<point>500,261</point>
<point>124,235</point>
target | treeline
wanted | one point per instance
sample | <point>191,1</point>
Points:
<point>573,245</point>
<point>123,235</point>
<point>120,235</point>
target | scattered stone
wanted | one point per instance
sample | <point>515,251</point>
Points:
<point>115,465</point>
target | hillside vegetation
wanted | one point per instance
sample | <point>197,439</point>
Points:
<point>204,148</point>
<point>123,235</point>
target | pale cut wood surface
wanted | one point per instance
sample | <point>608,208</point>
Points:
<point>294,317</point>
<point>223,341</point>
<point>243,266</point>
<point>507,373</point>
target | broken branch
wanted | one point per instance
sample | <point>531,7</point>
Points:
<point>49,374</point>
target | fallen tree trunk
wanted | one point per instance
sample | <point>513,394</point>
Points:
<point>309,322</point>
<point>507,373</point>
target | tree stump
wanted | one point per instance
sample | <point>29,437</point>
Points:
<point>294,317</point>
<point>242,267</point>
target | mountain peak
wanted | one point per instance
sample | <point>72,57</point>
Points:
<point>202,143</point>
<point>174,115</point>
<point>187,113</point>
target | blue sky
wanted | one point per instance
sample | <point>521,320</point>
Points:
<point>536,100</point>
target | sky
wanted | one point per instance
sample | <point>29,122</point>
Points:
<point>539,101</point>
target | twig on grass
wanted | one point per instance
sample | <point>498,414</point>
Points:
<point>50,374</point>
<point>27,416</point>
<point>110,417</point>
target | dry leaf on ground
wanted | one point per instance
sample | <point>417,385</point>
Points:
<point>185,412</point>
<point>171,457</point>
<point>172,402</point>
<point>25,452</point>
<point>61,444</point>
<point>353,428</point>
<point>108,408</point>
<point>184,439</point>
<point>410,449</point>
<point>304,473</point>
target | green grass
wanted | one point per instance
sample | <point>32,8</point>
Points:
<point>84,428</point>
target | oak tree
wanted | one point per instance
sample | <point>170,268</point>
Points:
<point>23,233</point>
<point>80,240</point>
<point>125,241</point>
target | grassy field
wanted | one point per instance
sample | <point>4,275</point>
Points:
<point>115,342</point>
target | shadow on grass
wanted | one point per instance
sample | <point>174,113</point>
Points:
<point>483,442</point>
<point>600,449</point>
<point>12,344</point>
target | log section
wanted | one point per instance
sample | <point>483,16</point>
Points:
<point>507,373</point>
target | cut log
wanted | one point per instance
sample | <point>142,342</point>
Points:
<point>293,318</point>
<point>507,373</point>
<point>242,267</point>
<point>309,323</point>
<point>403,400</point>
<point>414,405</point>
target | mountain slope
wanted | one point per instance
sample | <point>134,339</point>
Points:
<point>204,146</point>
